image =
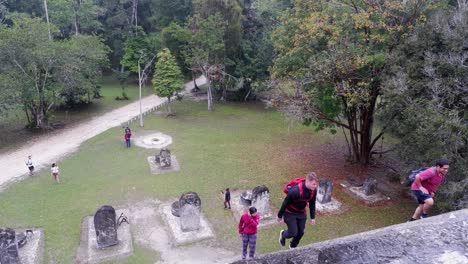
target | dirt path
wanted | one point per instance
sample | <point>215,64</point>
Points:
<point>47,149</point>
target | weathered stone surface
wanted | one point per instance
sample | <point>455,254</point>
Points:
<point>175,208</point>
<point>163,160</point>
<point>89,251</point>
<point>261,200</point>
<point>105,226</point>
<point>444,240</point>
<point>370,186</point>
<point>259,190</point>
<point>353,181</point>
<point>178,237</point>
<point>246,198</point>
<point>8,247</point>
<point>191,198</point>
<point>325,191</point>
<point>156,169</point>
<point>189,218</point>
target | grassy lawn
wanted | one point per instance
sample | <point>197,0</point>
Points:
<point>237,146</point>
<point>12,125</point>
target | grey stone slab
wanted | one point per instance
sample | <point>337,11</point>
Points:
<point>8,247</point>
<point>153,141</point>
<point>179,238</point>
<point>358,192</point>
<point>155,169</point>
<point>33,251</point>
<point>239,208</point>
<point>334,206</point>
<point>89,251</point>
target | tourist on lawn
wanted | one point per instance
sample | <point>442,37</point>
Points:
<point>293,209</point>
<point>248,231</point>
<point>227,199</point>
<point>55,172</point>
<point>128,134</point>
<point>30,166</point>
<point>425,185</point>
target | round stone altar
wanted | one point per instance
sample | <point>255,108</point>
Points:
<point>155,140</point>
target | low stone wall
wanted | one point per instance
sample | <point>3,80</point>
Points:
<point>438,239</point>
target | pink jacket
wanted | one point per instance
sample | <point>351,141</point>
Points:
<point>248,224</point>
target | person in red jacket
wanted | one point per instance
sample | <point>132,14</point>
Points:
<point>248,231</point>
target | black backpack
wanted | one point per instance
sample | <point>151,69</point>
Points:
<point>412,175</point>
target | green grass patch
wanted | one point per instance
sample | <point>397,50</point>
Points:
<point>236,146</point>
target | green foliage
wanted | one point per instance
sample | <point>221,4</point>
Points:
<point>75,17</point>
<point>343,45</point>
<point>140,48</point>
<point>176,38</point>
<point>165,12</point>
<point>426,99</point>
<point>206,45</point>
<point>225,138</point>
<point>45,73</point>
<point>167,79</point>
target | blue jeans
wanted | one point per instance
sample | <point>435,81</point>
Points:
<point>127,142</point>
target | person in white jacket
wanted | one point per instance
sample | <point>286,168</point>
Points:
<point>55,172</point>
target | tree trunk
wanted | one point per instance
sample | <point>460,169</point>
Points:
<point>210,97</point>
<point>169,111</point>
<point>76,23</point>
<point>47,18</point>
<point>195,86</point>
<point>361,122</point>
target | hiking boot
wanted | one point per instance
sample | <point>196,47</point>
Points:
<point>281,239</point>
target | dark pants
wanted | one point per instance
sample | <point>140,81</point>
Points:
<point>227,204</point>
<point>127,142</point>
<point>420,196</point>
<point>296,225</point>
<point>251,241</point>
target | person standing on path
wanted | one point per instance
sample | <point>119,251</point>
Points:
<point>293,210</point>
<point>128,134</point>
<point>425,185</point>
<point>248,231</point>
<point>227,199</point>
<point>30,166</point>
<point>55,172</point>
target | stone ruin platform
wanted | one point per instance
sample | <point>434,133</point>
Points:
<point>155,169</point>
<point>181,238</point>
<point>153,141</point>
<point>238,209</point>
<point>88,251</point>
<point>331,208</point>
<point>358,193</point>
<point>32,252</point>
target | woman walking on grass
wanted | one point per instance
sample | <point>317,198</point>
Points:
<point>55,172</point>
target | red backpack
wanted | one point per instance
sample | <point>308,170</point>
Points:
<point>295,182</point>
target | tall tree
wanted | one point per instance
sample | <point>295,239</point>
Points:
<point>140,52</point>
<point>167,79</point>
<point>331,57</point>
<point>39,70</point>
<point>75,17</point>
<point>205,50</point>
<point>165,12</point>
<point>426,97</point>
